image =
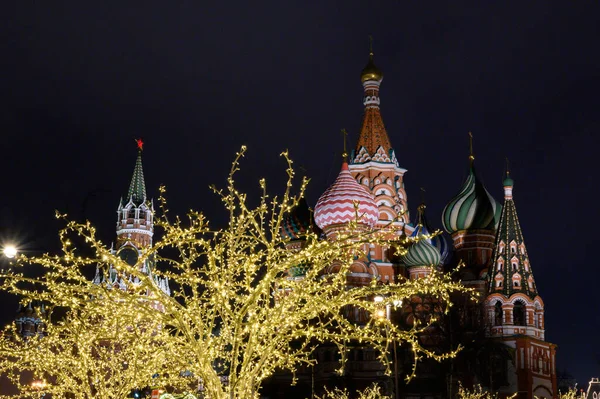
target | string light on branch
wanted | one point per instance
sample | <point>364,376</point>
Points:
<point>234,315</point>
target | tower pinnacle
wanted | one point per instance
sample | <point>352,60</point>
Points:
<point>471,154</point>
<point>373,141</point>
<point>137,188</point>
<point>345,153</point>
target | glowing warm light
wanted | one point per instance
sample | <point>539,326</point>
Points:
<point>10,251</point>
<point>38,384</point>
<point>235,316</point>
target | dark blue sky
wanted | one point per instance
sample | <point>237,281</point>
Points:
<point>199,79</point>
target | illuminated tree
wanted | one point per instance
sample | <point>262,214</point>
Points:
<point>373,392</point>
<point>570,393</point>
<point>234,316</point>
<point>85,355</point>
<point>478,393</point>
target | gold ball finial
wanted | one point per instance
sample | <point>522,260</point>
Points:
<point>345,152</point>
<point>370,71</point>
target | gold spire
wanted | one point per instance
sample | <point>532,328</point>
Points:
<point>421,207</point>
<point>471,155</point>
<point>345,153</point>
<point>371,46</point>
<point>507,168</point>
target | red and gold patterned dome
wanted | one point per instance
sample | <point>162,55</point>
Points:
<point>337,204</point>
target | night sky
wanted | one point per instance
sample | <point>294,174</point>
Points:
<point>196,80</point>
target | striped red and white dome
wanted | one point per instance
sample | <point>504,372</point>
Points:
<point>336,205</point>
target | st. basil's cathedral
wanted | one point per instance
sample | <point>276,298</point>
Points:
<point>503,334</point>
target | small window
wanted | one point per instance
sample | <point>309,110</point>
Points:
<point>516,283</point>
<point>498,314</point>
<point>513,250</point>
<point>519,314</point>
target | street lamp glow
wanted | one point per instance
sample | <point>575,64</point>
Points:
<point>10,251</point>
<point>39,384</point>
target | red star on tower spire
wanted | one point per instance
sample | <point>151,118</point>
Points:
<point>140,144</point>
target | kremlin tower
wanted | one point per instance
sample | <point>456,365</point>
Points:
<point>135,228</point>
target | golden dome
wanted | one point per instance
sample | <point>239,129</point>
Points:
<point>370,71</point>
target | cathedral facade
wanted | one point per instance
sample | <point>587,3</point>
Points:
<point>503,333</point>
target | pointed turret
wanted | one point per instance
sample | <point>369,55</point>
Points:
<point>373,162</point>
<point>135,225</point>
<point>373,141</point>
<point>137,188</point>
<point>515,311</point>
<point>512,271</point>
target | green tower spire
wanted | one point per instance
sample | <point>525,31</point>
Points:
<point>511,271</point>
<point>137,188</point>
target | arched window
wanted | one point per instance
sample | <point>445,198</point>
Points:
<point>498,314</point>
<point>519,314</point>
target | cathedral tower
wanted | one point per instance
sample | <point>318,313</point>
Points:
<point>471,218</point>
<point>515,310</point>
<point>373,165</point>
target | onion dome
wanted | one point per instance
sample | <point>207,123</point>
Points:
<point>370,71</point>
<point>422,229</point>
<point>472,209</point>
<point>441,243</point>
<point>298,221</point>
<point>337,204</point>
<point>422,254</point>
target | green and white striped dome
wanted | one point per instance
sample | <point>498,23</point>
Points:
<point>422,254</point>
<point>472,209</point>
